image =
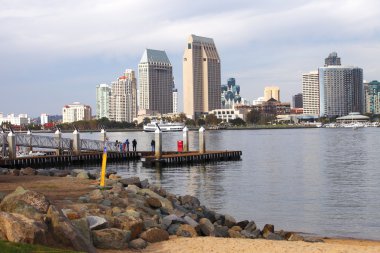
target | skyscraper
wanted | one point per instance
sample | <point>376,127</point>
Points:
<point>297,101</point>
<point>201,76</point>
<point>272,92</point>
<point>341,89</point>
<point>156,82</point>
<point>372,97</point>
<point>103,95</point>
<point>310,93</point>
<point>332,60</point>
<point>230,94</point>
<point>123,101</point>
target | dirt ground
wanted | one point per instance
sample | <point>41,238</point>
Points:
<point>59,189</point>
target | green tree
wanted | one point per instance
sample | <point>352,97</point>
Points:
<point>237,122</point>
<point>212,120</point>
<point>254,117</point>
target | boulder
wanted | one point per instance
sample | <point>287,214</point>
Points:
<point>144,184</point>
<point>70,214</point>
<point>83,175</point>
<point>229,221</point>
<point>75,172</point>
<point>250,227</point>
<point>291,236</point>
<point>131,181</point>
<point>273,236</point>
<point>191,222</point>
<point>14,172</point>
<point>150,223</point>
<point>236,228</point>
<point>206,227</point>
<point>172,229</point>
<point>61,173</point>
<point>251,234</point>
<point>267,229</point>
<point>135,225</point>
<point>221,231</point>
<point>189,201</point>
<point>111,238</point>
<point>18,228</point>
<point>83,227</point>
<point>234,234</point>
<point>242,224</point>
<point>165,202</point>
<point>93,174</point>
<point>153,202</point>
<point>132,213</point>
<point>28,203</point>
<point>186,230</point>
<point>114,177</point>
<point>4,171</point>
<point>172,219</point>
<point>96,222</point>
<point>43,172</point>
<point>155,235</point>
<point>96,195</point>
<point>28,172</point>
<point>138,244</point>
<point>132,189</point>
<point>65,232</point>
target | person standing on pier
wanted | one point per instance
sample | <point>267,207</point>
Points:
<point>134,144</point>
<point>153,145</point>
<point>127,144</point>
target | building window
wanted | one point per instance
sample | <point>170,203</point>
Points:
<point>189,46</point>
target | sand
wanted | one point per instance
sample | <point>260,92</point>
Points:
<point>60,189</point>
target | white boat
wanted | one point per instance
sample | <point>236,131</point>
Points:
<point>164,126</point>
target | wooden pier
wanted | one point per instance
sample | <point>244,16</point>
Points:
<point>147,157</point>
<point>191,157</point>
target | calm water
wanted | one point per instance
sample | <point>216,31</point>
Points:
<point>321,181</point>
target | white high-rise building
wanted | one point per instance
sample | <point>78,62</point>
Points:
<point>103,96</point>
<point>21,119</point>
<point>44,118</point>
<point>175,101</point>
<point>123,100</point>
<point>310,93</point>
<point>76,112</point>
<point>156,82</point>
<point>201,76</point>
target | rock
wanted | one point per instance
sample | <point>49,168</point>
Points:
<point>236,228</point>
<point>106,202</point>
<point>189,201</point>
<point>61,173</point>
<point>70,214</point>
<point>221,231</point>
<point>4,171</point>
<point>75,172</point>
<point>291,236</point>
<point>18,228</point>
<point>138,244</point>
<point>43,172</point>
<point>2,196</point>
<point>313,239</point>
<point>242,224</point>
<point>28,203</point>
<point>96,222</point>
<point>165,202</point>
<point>14,172</point>
<point>145,184</point>
<point>191,222</point>
<point>149,223</point>
<point>229,221</point>
<point>114,177</point>
<point>172,229</point>
<point>206,227</point>
<point>84,199</point>
<point>65,232</point>
<point>234,234</point>
<point>155,235</point>
<point>111,238</point>
<point>83,227</point>
<point>267,229</point>
<point>83,175</point>
<point>209,214</point>
<point>132,213</point>
<point>135,225</point>
<point>153,202</point>
<point>96,195</point>
<point>28,172</point>
<point>251,227</point>
<point>94,174</point>
<point>251,234</point>
<point>131,181</point>
<point>172,219</point>
<point>186,230</point>
<point>273,236</point>
<point>133,189</point>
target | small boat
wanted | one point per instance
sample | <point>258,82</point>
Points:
<point>164,126</point>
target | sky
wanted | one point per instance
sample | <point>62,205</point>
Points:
<point>55,52</point>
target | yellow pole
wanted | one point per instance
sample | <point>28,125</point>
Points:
<point>104,167</point>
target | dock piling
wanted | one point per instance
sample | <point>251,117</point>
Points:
<point>202,141</point>
<point>185,136</point>
<point>158,143</point>
<point>11,138</point>
<point>76,142</point>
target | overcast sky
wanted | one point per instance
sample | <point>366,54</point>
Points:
<point>55,52</point>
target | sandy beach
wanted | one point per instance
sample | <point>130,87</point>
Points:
<point>59,189</point>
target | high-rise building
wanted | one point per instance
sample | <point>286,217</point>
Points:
<point>21,119</point>
<point>123,100</point>
<point>201,76</point>
<point>332,60</point>
<point>272,92</point>
<point>372,97</point>
<point>230,94</point>
<point>175,101</point>
<point>44,118</point>
<point>310,93</point>
<point>75,112</point>
<point>297,101</point>
<point>156,82</point>
<point>341,90</point>
<point>103,96</point>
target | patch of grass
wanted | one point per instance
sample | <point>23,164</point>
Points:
<point>11,247</point>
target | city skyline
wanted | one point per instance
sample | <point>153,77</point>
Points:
<point>48,50</point>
